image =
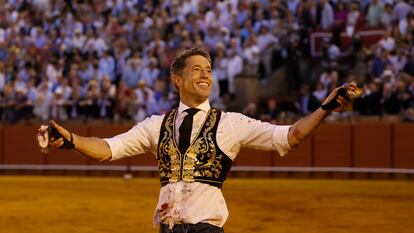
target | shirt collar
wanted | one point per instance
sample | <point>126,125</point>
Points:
<point>205,106</point>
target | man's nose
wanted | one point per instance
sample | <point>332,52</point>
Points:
<point>204,73</point>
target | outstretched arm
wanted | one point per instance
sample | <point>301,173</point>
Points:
<point>305,127</point>
<point>91,147</point>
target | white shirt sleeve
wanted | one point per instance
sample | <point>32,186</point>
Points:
<point>141,138</point>
<point>259,135</point>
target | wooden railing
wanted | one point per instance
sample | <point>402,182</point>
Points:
<point>337,148</point>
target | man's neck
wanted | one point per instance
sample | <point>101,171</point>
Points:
<point>205,106</point>
<point>193,103</point>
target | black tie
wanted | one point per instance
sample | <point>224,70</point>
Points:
<point>185,129</point>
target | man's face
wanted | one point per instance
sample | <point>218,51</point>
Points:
<point>195,82</point>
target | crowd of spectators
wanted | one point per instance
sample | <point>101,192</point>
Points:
<point>384,69</point>
<point>110,58</point>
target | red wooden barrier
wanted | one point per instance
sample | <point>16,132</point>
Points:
<point>1,146</point>
<point>332,146</point>
<point>301,156</point>
<point>372,145</point>
<point>403,145</point>
<point>250,157</point>
<point>362,145</point>
<point>144,160</point>
<point>20,145</point>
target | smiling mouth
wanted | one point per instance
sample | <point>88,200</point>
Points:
<point>203,84</point>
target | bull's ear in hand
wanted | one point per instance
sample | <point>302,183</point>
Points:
<point>46,132</point>
<point>42,138</point>
<point>349,91</point>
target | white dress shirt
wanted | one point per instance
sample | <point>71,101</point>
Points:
<point>194,202</point>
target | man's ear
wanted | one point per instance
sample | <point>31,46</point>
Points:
<point>176,80</point>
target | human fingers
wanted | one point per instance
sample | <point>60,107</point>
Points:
<point>343,102</point>
<point>65,133</point>
<point>331,96</point>
<point>56,143</point>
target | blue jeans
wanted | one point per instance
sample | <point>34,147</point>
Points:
<point>191,228</point>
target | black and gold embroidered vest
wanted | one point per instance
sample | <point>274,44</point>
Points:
<point>202,162</point>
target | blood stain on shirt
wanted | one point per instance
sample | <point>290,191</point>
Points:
<point>164,206</point>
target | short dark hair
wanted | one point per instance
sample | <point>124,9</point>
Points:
<point>179,61</point>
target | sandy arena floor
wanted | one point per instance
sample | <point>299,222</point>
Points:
<point>39,204</point>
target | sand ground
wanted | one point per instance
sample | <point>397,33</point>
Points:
<point>39,204</point>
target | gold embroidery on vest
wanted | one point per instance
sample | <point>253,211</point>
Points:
<point>200,160</point>
<point>167,147</point>
<point>194,165</point>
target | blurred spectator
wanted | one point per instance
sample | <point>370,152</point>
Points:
<point>340,15</point>
<point>390,102</point>
<point>234,67</point>
<point>293,67</point>
<point>22,105</point>
<point>85,72</point>
<point>271,112</point>
<point>353,15</point>
<point>88,107</point>
<point>54,70</point>
<point>251,56</point>
<point>215,95</point>
<point>41,106</point>
<point>370,104</point>
<point>163,104</point>
<point>59,105</point>
<point>212,37</point>
<point>406,25</point>
<point>327,17</point>
<point>95,44</point>
<point>132,73</point>
<point>306,102</point>
<point>401,9</point>
<point>409,66</point>
<point>260,22</point>
<point>388,77</point>
<point>2,76</point>
<point>398,59</point>
<point>331,54</point>
<point>387,17</point>
<point>106,101</point>
<point>144,99</point>
<point>329,78</point>
<point>403,96</point>
<point>266,43</point>
<point>320,91</point>
<point>151,73</point>
<point>380,62</point>
<point>250,110</point>
<point>220,65</point>
<point>374,13</point>
<point>121,55</point>
<point>107,66</point>
<point>293,6</point>
<point>387,42</point>
<point>79,39</point>
<point>408,115</point>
